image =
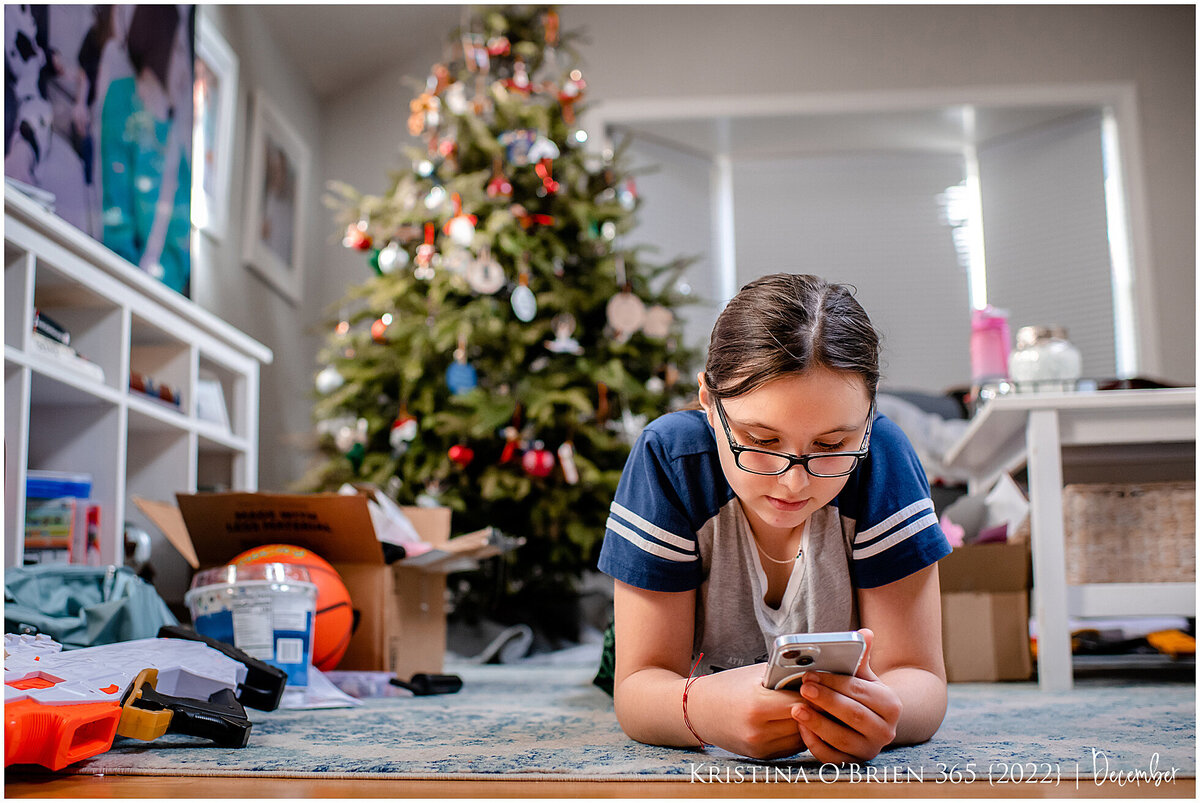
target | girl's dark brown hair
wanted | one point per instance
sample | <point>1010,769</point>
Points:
<point>788,323</point>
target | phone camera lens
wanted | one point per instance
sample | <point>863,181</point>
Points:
<point>804,660</point>
<point>790,655</point>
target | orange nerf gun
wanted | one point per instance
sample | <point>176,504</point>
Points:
<point>63,707</point>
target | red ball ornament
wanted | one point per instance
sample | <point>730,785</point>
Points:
<point>499,187</point>
<point>461,454</point>
<point>538,462</point>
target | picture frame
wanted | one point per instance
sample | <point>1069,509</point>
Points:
<point>214,123</point>
<point>278,179</point>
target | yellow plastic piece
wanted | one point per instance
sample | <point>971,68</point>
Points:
<point>137,723</point>
<point>1172,642</point>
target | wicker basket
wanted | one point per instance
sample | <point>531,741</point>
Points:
<point>1130,533</point>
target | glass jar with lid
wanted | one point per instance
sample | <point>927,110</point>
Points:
<point>1044,360</point>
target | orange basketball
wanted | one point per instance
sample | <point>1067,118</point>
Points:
<point>334,622</point>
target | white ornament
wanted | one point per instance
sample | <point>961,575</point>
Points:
<point>456,98</point>
<point>524,303</point>
<point>462,230</point>
<point>346,437</point>
<point>392,257</point>
<point>658,322</point>
<point>329,380</point>
<point>626,313</point>
<point>435,198</point>
<point>485,275</point>
<point>542,148</point>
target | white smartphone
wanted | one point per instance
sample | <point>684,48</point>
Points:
<point>793,655</point>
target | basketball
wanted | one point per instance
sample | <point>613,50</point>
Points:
<point>334,621</point>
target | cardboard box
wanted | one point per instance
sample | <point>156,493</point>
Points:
<point>985,612</point>
<point>402,608</point>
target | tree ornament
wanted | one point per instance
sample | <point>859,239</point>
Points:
<point>570,94</point>
<point>519,82</point>
<point>329,379</point>
<point>435,197</point>
<point>538,462</point>
<point>423,112</point>
<point>566,459</point>
<point>460,376</point>
<point>656,385</point>
<point>460,227</point>
<point>626,314</point>
<point>357,237</point>
<point>348,436</point>
<point>527,220</point>
<point>455,99</point>
<point>550,25</point>
<point>542,148</point>
<point>475,52</point>
<point>484,275</point>
<point>512,440</point>
<point>549,185</point>
<point>658,322</point>
<point>431,497</point>
<point>438,80</point>
<point>627,195</point>
<point>563,326</point>
<point>499,46</point>
<point>425,254</point>
<point>402,433</point>
<point>524,303</point>
<point>517,144</point>
<point>499,186</point>
<point>461,454</point>
<point>391,258</point>
<point>379,327</point>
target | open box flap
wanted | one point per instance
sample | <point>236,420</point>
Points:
<point>166,517</point>
<point>222,525</point>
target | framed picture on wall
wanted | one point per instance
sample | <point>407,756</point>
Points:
<point>278,184</point>
<point>215,96</point>
<point>98,111</point>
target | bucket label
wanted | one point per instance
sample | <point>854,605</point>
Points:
<point>266,624</point>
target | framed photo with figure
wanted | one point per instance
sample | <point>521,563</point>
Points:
<point>214,121</point>
<point>98,107</point>
<point>278,184</point>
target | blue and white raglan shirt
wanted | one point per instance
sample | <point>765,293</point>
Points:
<point>676,525</point>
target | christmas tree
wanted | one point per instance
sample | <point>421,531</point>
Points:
<point>505,349</point>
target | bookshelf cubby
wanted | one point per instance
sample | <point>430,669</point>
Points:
<point>62,416</point>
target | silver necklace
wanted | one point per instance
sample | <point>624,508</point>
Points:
<point>799,553</point>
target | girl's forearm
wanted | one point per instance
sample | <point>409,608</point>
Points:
<point>649,707</point>
<point>923,696</point>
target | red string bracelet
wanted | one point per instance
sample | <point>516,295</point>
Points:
<point>692,679</point>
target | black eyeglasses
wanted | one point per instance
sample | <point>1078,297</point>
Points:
<point>826,464</point>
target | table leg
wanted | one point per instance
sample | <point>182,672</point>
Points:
<point>1049,560</point>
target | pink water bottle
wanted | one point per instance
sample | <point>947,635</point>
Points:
<point>990,345</point>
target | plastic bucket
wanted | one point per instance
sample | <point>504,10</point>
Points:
<point>266,610</point>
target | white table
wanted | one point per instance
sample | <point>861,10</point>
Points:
<point>1101,436</point>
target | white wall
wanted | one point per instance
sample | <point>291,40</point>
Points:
<point>647,52</point>
<point>222,283</point>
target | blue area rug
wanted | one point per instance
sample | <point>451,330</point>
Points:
<point>539,722</point>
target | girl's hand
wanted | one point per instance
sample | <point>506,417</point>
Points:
<point>844,718</point>
<point>733,710</point>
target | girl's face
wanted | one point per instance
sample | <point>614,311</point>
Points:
<point>821,410</point>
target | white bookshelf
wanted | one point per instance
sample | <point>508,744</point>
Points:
<point>58,417</point>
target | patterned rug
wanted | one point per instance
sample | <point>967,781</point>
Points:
<point>539,722</point>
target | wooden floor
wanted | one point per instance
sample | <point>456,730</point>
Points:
<point>43,785</point>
